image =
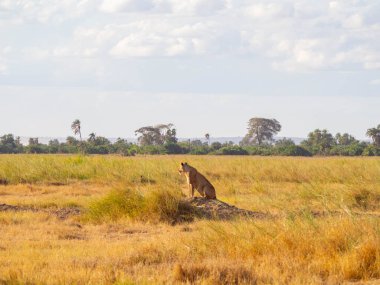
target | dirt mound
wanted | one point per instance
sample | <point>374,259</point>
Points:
<point>64,213</point>
<point>61,213</point>
<point>6,207</point>
<point>207,208</point>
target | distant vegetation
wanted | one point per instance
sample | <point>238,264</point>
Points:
<point>162,139</point>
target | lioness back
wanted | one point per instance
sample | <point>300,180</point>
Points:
<point>205,186</point>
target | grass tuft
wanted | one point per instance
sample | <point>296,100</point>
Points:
<point>116,205</point>
<point>155,206</point>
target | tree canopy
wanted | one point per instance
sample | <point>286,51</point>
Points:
<point>261,130</point>
<point>374,134</point>
<point>156,135</point>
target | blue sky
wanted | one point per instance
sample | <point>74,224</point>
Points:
<point>204,65</point>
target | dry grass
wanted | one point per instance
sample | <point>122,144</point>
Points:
<point>326,230</point>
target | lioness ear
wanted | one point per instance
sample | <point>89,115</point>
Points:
<point>185,163</point>
<point>182,163</point>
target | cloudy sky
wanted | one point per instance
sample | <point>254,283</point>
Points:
<point>204,65</point>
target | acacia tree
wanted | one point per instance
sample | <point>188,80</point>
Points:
<point>261,130</point>
<point>156,135</point>
<point>374,134</point>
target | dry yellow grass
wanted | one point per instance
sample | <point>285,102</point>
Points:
<point>325,230</point>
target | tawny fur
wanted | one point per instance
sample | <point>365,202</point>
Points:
<point>196,180</point>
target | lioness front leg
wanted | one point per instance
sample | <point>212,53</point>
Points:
<point>191,191</point>
<point>202,192</point>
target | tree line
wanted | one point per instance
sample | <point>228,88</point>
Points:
<point>162,139</point>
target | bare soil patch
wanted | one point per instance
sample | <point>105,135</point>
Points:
<point>61,213</point>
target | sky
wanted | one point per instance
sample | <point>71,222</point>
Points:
<point>207,66</point>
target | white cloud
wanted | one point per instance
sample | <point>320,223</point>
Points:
<point>354,21</point>
<point>156,38</point>
<point>197,7</point>
<point>362,55</point>
<point>271,10</point>
<point>97,36</point>
<point>133,45</point>
<point>292,35</point>
<point>177,7</point>
<point>118,6</point>
<point>338,35</point>
<point>45,11</point>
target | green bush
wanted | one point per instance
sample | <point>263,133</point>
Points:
<point>232,150</point>
<point>152,149</point>
<point>348,150</point>
<point>371,150</point>
<point>259,150</point>
<point>173,148</point>
<point>291,150</point>
<point>199,150</point>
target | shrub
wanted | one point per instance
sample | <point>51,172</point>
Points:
<point>216,146</point>
<point>291,150</point>
<point>173,148</point>
<point>260,150</point>
<point>371,150</point>
<point>98,149</point>
<point>166,206</point>
<point>115,205</point>
<point>199,150</point>
<point>152,149</point>
<point>348,150</point>
<point>232,150</point>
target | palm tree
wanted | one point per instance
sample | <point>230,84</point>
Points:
<point>75,126</point>
<point>91,137</point>
<point>207,136</point>
<point>374,134</point>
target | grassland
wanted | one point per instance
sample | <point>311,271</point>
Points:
<point>324,226</point>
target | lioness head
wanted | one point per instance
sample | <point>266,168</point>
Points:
<point>184,168</point>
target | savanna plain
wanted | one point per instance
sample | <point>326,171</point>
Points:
<point>126,220</point>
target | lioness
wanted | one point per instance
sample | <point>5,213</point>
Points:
<point>197,181</point>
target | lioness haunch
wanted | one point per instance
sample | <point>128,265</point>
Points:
<point>196,180</point>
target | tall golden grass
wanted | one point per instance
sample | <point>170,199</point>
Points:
<point>325,225</point>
